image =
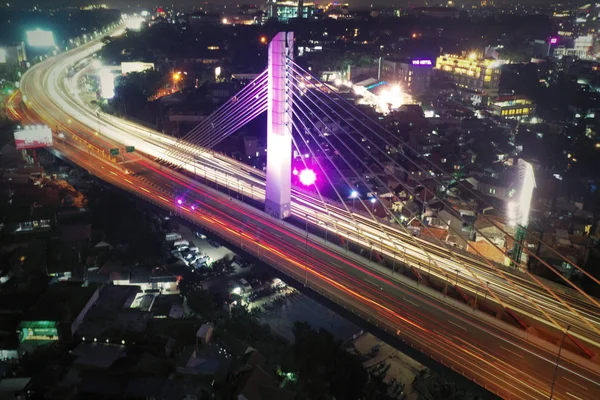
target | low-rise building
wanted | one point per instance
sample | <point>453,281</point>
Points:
<point>57,314</point>
<point>513,107</point>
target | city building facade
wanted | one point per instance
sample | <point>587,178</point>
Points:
<point>414,75</point>
<point>283,11</point>
<point>476,78</point>
<point>513,107</point>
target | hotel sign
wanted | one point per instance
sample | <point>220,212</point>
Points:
<point>422,62</point>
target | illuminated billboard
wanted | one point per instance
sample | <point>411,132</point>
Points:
<point>134,23</point>
<point>33,137</point>
<point>136,66</point>
<point>518,209</point>
<point>40,38</point>
<point>422,62</point>
<point>107,83</point>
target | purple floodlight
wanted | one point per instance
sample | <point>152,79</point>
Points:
<point>553,40</point>
<point>295,172</point>
<point>307,177</point>
<point>179,201</point>
<point>193,207</point>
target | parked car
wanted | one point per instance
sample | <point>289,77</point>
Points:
<point>214,243</point>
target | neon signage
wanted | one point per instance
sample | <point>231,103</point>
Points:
<point>422,62</point>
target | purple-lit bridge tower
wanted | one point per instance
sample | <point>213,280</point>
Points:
<point>279,126</point>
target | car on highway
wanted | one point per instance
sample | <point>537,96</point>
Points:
<point>214,243</point>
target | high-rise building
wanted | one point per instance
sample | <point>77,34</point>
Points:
<point>286,10</point>
<point>414,75</point>
<point>476,78</point>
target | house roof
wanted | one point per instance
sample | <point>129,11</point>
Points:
<point>487,250</point>
<point>59,301</point>
<point>258,378</point>
<point>97,355</point>
<point>436,233</point>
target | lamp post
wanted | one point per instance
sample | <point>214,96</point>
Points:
<point>558,361</point>
<point>551,41</point>
<point>353,196</point>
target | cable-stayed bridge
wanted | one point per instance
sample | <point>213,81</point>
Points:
<point>499,326</point>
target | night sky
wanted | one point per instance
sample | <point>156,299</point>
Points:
<point>123,4</point>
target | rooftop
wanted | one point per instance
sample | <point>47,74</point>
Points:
<point>59,301</point>
<point>97,355</point>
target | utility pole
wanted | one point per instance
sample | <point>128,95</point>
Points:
<point>562,342</point>
<point>306,253</point>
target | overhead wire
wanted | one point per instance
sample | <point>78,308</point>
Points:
<point>447,246</point>
<point>351,107</point>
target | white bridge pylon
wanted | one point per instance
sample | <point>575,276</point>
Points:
<point>279,127</point>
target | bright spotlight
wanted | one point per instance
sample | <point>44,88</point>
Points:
<point>179,201</point>
<point>193,207</point>
<point>373,200</point>
<point>354,194</point>
<point>134,23</point>
<point>107,83</point>
<point>295,172</point>
<point>307,177</point>
<point>40,38</point>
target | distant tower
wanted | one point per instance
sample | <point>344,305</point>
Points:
<point>279,127</point>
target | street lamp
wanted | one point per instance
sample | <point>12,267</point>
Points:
<point>353,196</point>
